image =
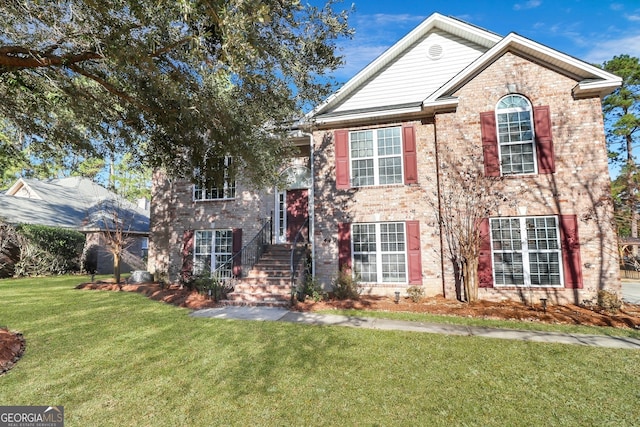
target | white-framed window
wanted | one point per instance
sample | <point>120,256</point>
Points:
<point>376,157</point>
<point>212,249</point>
<point>526,251</point>
<point>379,252</point>
<point>227,191</point>
<point>514,118</point>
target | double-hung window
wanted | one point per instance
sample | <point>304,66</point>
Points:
<point>379,252</point>
<point>213,250</point>
<point>227,190</point>
<point>376,157</point>
<point>516,135</point>
<point>526,251</point>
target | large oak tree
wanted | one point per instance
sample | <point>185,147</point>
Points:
<point>178,83</point>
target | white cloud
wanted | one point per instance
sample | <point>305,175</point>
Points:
<point>387,19</point>
<point>607,49</point>
<point>531,4</point>
<point>632,18</point>
<point>616,6</point>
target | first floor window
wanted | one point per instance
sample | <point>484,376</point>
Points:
<point>213,250</point>
<point>379,252</point>
<point>526,251</point>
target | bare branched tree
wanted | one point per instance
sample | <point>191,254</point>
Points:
<point>465,198</point>
<point>115,222</point>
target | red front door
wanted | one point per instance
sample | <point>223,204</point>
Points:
<point>297,211</point>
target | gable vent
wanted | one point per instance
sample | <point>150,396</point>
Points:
<point>435,51</point>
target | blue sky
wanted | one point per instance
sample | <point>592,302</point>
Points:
<point>591,30</point>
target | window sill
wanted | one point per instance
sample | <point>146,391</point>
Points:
<point>380,186</point>
<point>214,200</point>
<point>529,288</point>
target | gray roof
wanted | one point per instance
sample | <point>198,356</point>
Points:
<point>76,203</point>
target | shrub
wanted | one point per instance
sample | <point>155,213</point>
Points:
<point>345,286</point>
<point>415,293</point>
<point>205,284</point>
<point>609,301</point>
<point>48,250</point>
<point>9,250</point>
<point>311,289</point>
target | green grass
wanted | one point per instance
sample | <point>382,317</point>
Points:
<point>117,358</point>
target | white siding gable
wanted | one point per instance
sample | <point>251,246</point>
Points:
<point>413,76</point>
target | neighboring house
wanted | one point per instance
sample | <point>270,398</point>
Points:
<point>79,204</point>
<point>447,97</point>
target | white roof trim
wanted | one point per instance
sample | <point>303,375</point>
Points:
<point>452,25</point>
<point>442,104</point>
<point>367,114</point>
<point>569,65</point>
<point>600,88</point>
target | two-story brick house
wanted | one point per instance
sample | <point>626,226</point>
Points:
<point>378,152</point>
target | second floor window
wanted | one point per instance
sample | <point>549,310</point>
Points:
<point>376,157</point>
<point>515,135</point>
<point>217,192</point>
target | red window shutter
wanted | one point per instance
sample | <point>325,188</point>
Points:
<point>187,255</point>
<point>485,268</point>
<point>490,143</point>
<point>570,251</point>
<point>344,245</point>
<point>414,255</point>
<point>342,159</point>
<point>236,246</point>
<point>410,155</point>
<point>544,140</point>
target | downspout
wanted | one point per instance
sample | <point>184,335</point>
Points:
<point>437,158</point>
<point>312,219</point>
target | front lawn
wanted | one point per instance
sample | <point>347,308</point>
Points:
<point>118,358</point>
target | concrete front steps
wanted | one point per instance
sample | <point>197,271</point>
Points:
<point>268,283</point>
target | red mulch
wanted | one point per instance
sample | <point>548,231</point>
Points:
<point>12,345</point>
<point>627,317</point>
<point>169,294</point>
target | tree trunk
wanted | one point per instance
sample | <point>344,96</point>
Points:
<point>468,294</point>
<point>116,268</point>
<point>633,205</point>
<point>473,279</point>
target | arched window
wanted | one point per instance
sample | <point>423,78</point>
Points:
<point>516,135</point>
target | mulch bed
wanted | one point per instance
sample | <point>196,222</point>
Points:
<point>12,347</point>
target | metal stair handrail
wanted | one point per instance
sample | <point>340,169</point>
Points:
<point>249,254</point>
<point>294,245</point>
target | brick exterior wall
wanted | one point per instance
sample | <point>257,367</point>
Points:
<point>376,204</point>
<point>579,186</point>
<point>173,211</point>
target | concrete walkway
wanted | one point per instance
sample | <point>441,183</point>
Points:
<point>284,315</point>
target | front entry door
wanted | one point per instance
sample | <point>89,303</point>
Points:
<point>293,211</point>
